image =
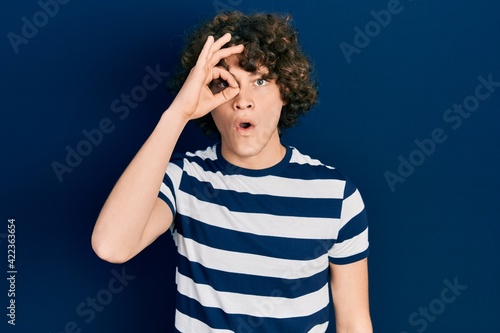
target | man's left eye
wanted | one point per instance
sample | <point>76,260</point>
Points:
<point>260,82</point>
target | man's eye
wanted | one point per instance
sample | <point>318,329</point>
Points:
<point>222,84</point>
<point>218,85</point>
<point>260,82</point>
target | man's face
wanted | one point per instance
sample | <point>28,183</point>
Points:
<point>248,123</point>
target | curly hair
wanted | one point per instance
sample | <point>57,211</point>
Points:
<point>269,41</point>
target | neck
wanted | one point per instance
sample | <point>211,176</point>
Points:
<point>269,156</point>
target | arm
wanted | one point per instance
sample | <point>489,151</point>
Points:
<point>350,297</point>
<point>133,216</point>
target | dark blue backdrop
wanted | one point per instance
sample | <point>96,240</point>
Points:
<point>409,109</point>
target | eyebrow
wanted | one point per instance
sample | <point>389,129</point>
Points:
<point>261,71</point>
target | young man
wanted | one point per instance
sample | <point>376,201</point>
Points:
<point>261,229</point>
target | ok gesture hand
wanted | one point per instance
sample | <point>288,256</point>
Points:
<point>195,99</point>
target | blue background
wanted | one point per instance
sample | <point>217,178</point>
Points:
<point>440,224</point>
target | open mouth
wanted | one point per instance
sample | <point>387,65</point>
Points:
<point>245,125</point>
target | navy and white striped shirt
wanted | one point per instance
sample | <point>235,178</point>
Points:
<point>254,246</point>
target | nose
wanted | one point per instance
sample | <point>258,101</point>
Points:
<point>243,100</point>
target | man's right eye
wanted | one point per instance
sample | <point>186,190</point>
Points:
<point>222,84</point>
<point>218,85</point>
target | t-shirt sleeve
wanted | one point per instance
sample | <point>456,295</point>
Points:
<point>352,243</point>
<point>170,184</point>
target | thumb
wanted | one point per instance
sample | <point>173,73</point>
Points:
<point>226,95</point>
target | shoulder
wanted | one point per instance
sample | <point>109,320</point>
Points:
<point>311,167</point>
<point>306,167</point>
<point>198,156</point>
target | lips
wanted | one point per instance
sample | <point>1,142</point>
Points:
<point>244,124</point>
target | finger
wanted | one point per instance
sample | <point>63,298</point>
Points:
<point>225,95</point>
<point>221,73</point>
<point>224,53</point>
<point>221,42</point>
<point>205,51</point>
<point>226,76</point>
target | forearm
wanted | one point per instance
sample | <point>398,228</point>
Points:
<point>357,320</point>
<point>362,326</point>
<point>349,285</point>
<point>126,212</point>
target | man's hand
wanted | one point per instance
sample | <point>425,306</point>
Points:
<point>195,99</point>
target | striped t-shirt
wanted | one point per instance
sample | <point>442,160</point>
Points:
<point>254,246</point>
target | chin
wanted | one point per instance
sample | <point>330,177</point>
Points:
<point>248,150</point>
